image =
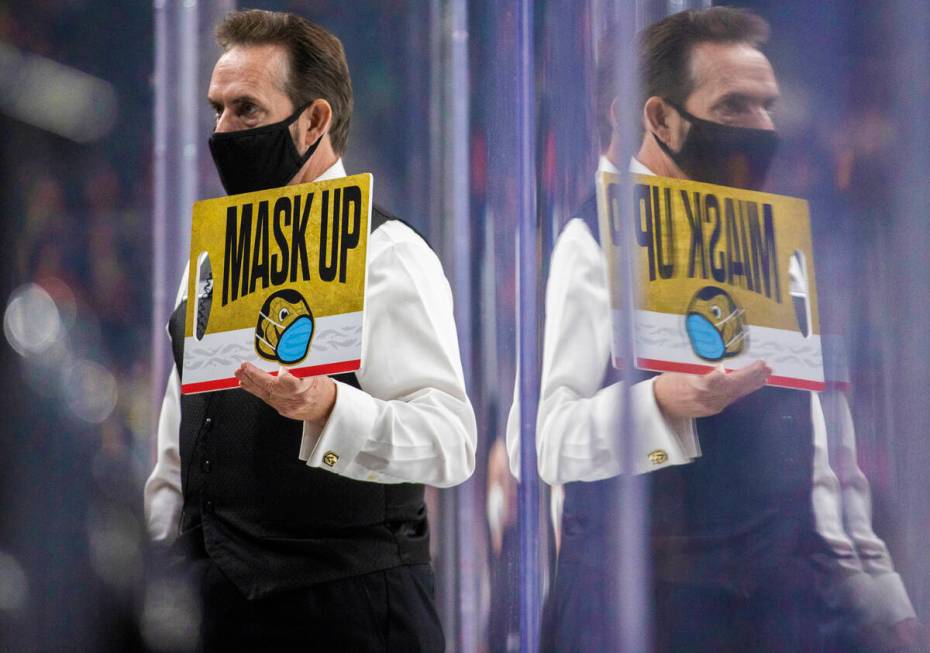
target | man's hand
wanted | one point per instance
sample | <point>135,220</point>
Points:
<point>311,399</point>
<point>688,395</point>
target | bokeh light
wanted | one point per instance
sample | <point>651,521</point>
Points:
<point>14,585</point>
<point>115,538</point>
<point>170,616</point>
<point>31,322</point>
<point>90,391</point>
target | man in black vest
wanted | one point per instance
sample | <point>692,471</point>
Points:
<point>298,503</point>
<point>744,510</point>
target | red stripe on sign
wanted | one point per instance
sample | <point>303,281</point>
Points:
<point>692,368</point>
<point>233,382</point>
<point>669,366</point>
<point>331,368</point>
<point>799,384</point>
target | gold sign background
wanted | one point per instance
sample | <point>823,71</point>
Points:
<point>208,234</point>
<point>791,223</point>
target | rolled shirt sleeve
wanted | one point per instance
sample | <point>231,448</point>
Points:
<point>412,420</point>
<point>162,494</point>
<point>868,584</point>
<point>849,588</point>
<point>887,599</point>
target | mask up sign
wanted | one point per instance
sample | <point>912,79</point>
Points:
<point>723,277</point>
<point>279,279</point>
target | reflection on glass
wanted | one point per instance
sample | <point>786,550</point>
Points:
<point>761,535</point>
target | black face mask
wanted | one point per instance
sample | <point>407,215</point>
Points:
<point>722,154</point>
<point>260,158</point>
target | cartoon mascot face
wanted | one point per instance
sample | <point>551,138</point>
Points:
<point>284,328</point>
<point>716,325</point>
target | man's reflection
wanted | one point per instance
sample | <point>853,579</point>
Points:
<point>747,521</point>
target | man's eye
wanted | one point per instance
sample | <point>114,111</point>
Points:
<point>732,106</point>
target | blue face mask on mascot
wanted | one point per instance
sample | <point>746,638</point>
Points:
<point>705,338</point>
<point>716,324</point>
<point>294,340</point>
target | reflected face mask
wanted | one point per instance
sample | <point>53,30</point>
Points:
<point>294,340</point>
<point>722,154</point>
<point>257,159</point>
<point>705,338</point>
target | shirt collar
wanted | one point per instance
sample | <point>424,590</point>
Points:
<point>637,168</point>
<point>334,171</point>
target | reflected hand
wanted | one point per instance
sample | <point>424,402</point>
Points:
<point>689,396</point>
<point>504,485</point>
<point>311,399</point>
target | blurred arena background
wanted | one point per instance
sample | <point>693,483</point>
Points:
<point>77,157</point>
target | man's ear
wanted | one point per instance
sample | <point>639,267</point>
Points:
<point>657,118</point>
<point>318,116</point>
<point>614,115</point>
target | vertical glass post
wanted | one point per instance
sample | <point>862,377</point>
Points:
<point>464,269</point>
<point>183,60</point>
<point>175,169</point>
<point>632,596</point>
<point>527,327</point>
<point>631,551</point>
<point>910,374</point>
<point>158,353</point>
<point>450,227</point>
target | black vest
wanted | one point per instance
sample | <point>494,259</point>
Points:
<point>267,519</point>
<point>730,517</point>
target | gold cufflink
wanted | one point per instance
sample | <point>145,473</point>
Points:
<point>658,457</point>
<point>330,458</point>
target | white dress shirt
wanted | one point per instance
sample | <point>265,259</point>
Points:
<point>578,421</point>
<point>410,423</point>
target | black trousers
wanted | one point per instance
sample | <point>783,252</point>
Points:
<point>388,610</point>
<point>779,617</point>
<point>702,619</point>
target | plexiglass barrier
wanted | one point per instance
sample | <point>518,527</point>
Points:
<point>632,207</point>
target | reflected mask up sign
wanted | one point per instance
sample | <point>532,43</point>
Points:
<point>723,277</point>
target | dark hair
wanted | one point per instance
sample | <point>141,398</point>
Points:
<point>664,54</point>
<point>318,67</point>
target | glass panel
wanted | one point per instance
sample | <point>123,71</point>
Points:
<point>697,510</point>
<point>499,168</point>
<point>663,516</point>
<point>596,600</point>
<point>75,290</point>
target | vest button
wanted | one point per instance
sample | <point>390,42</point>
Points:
<point>206,466</point>
<point>208,507</point>
<point>208,423</point>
